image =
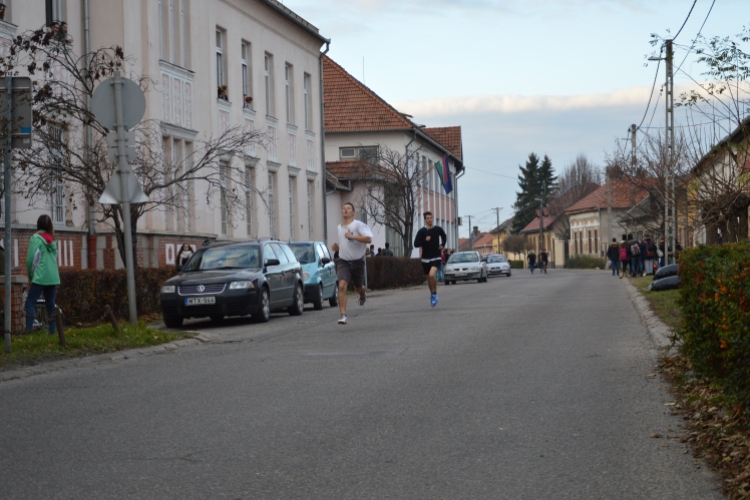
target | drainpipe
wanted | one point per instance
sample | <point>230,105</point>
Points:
<point>88,140</point>
<point>455,202</point>
<point>323,140</point>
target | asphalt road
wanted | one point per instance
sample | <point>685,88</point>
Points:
<point>524,387</point>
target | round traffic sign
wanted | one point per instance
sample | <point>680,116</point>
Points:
<point>103,103</point>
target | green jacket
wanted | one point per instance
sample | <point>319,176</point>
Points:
<point>41,261</point>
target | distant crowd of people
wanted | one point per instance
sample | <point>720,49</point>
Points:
<point>639,257</point>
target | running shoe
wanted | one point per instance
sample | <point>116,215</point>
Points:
<point>433,300</point>
<point>362,300</point>
<point>342,319</point>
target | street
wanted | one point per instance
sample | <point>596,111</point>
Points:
<point>533,387</point>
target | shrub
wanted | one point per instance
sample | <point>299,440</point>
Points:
<point>83,294</point>
<point>584,262</point>
<point>715,301</point>
<point>393,272</point>
<point>516,264</point>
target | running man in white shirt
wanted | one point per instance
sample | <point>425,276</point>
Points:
<point>431,239</point>
<point>354,236</point>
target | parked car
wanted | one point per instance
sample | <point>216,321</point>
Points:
<point>318,272</point>
<point>465,266</point>
<point>497,264</point>
<point>235,279</point>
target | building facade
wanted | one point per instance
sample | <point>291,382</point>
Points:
<point>212,66</point>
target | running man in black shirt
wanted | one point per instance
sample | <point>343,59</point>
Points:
<point>431,239</point>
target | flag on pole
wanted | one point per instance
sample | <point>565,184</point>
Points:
<point>444,171</point>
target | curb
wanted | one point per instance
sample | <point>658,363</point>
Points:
<point>55,366</point>
<point>659,331</point>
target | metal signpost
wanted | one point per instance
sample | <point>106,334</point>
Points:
<point>15,111</point>
<point>123,187</point>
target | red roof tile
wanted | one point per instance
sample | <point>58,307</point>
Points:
<point>624,195</point>
<point>533,226</point>
<point>449,137</point>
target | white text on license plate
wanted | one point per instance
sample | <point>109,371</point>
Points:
<point>199,301</point>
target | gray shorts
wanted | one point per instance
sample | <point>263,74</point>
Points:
<point>351,271</point>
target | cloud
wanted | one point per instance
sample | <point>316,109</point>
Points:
<point>509,104</point>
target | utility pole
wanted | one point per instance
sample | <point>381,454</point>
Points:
<point>497,214</point>
<point>471,234</point>
<point>541,219</point>
<point>633,146</point>
<point>669,201</point>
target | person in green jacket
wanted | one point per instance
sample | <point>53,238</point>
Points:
<point>41,264</point>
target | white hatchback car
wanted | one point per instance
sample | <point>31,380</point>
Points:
<point>462,266</point>
<point>497,264</point>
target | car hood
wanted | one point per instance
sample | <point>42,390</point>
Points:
<point>462,265</point>
<point>216,276</point>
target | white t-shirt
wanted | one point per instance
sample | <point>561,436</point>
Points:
<point>353,249</point>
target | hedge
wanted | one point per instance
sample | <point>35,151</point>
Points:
<point>393,272</point>
<point>584,262</point>
<point>516,264</point>
<point>83,294</point>
<point>715,301</point>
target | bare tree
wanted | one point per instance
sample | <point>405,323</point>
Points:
<point>67,162</point>
<point>579,179</point>
<point>393,190</point>
<point>515,243</point>
<point>719,136</point>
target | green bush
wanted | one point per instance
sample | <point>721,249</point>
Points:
<point>584,262</point>
<point>393,272</point>
<point>516,264</point>
<point>83,294</point>
<point>715,301</point>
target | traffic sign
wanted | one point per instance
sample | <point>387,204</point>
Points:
<point>103,103</point>
<point>113,194</point>
<point>112,146</point>
<point>20,124</point>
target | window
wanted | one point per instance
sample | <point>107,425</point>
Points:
<point>596,241</point>
<point>291,208</point>
<point>308,102</point>
<point>220,69</point>
<point>57,199</point>
<point>249,202</point>
<point>347,153</point>
<point>224,207</point>
<point>272,204</point>
<point>310,207</point>
<point>174,39</point>
<point>268,68</point>
<point>590,247</point>
<point>55,10</point>
<point>289,93</point>
<point>247,92</point>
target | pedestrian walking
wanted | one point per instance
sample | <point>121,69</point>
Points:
<point>634,251</point>
<point>613,254</point>
<point>431,239</point>
<point>544,260</point>
<point>532,261</point>
<point>41,266</point>
<point>388,252</point>
<point>650,254</point>
<point>354,236</point>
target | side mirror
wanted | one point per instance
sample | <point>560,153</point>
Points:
<point>325,260</point>
<point>272,262</point>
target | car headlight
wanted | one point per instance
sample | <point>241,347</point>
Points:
<point>168,289</point>
<point>240,285</point>
<point>305,275</point>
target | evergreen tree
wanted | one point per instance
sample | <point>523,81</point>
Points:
<point>529,182</point>
<point>547,178</point>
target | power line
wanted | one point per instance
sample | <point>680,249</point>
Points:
<point>686,20</point>
<point>696,36</point>
<point>651,96</point>
<point>491,173</point>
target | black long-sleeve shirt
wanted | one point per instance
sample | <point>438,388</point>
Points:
<point>430,249</point>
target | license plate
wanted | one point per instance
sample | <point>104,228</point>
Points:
<point>461,274</point>
<point>199,301</point>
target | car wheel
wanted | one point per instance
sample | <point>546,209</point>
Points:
<point>334,301</point>
<point>480,280</point>
<point>318,302</point>
<point>299,302</point>
<point>173,321</point>
<point>264,307</point>
<point>447,282</point>
<point>453,282</point>
<point>217,318</point>
<point>508,275</point>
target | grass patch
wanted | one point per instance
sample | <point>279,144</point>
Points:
<point>41,347</point>
<point>664,304</point>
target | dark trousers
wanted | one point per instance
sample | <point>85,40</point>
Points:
<point>615,267</point>
<point>36,291</point>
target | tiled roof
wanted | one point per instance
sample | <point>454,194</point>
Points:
<point>483,240</point>
<point>449,137</point>
<point>356,170</point>
<point>533,226</point>
<point>351,106</point>
<point>504,226</point>
<point>624,195</point>
<point>334,182</point>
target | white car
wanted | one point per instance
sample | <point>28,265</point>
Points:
<point>463,266</point>
<point>497,264</point>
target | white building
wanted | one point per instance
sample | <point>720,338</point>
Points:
<point>189,49</point>
<point>357,121</point>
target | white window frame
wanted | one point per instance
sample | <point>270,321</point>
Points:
<point>272,204</point>
<point>245,55</point>
<point>310,207</point>
<point>249,199</point>
<point>224,208</point>
<point>57,198</point>
<point>288,79</point>
<point>306,92</point>
<point>292,232</point>
<point>220,64</point>
<point>268,69</point>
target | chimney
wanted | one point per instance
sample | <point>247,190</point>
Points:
<point>476,231</point>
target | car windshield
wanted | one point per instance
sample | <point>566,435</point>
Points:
<point>497,258</point>
<point>463,257</point>
<point>239,257</point>
<point>304,252</point>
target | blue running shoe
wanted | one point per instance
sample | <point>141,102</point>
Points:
<point>433,300</point>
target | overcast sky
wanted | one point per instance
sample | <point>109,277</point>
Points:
<point>554,77</point>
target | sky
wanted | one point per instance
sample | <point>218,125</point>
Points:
<point>554,77</point>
